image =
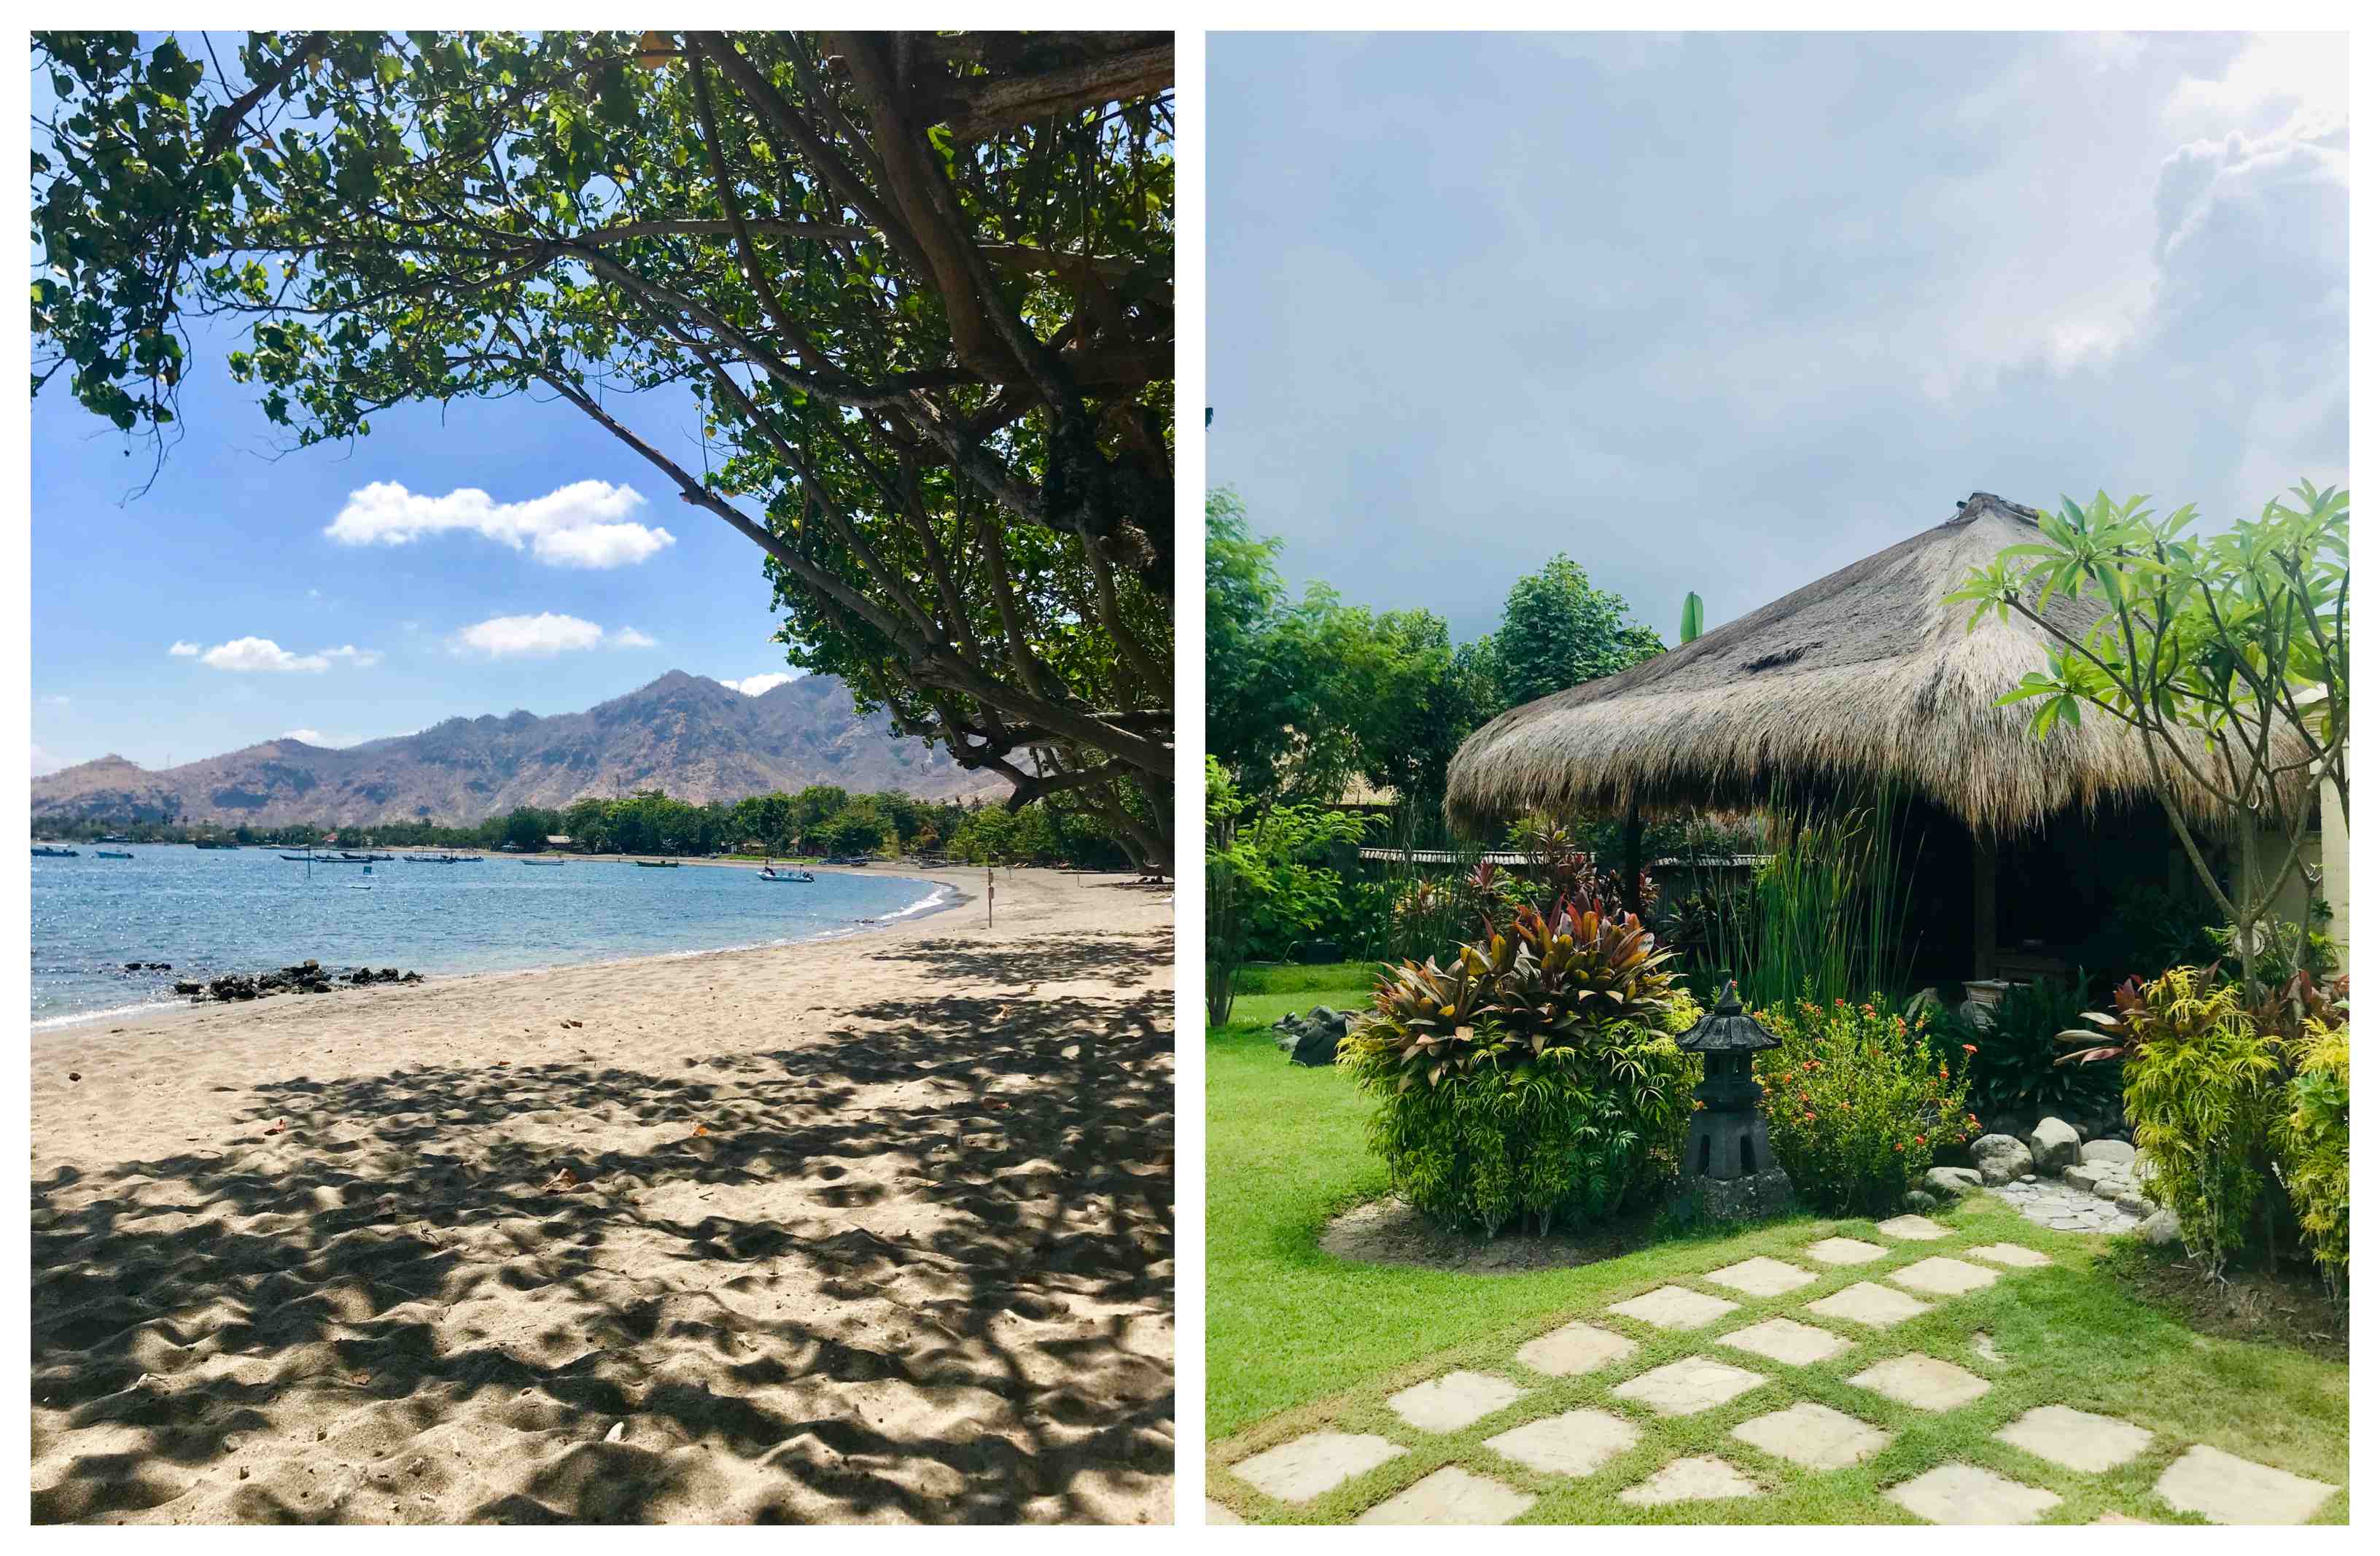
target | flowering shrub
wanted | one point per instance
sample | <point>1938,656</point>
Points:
<point>1535,1077</point>
<point>1858,1103</point>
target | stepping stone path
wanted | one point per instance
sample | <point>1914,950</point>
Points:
<point>1867,1303</point>
<point>1814,1436</point>
<point>1761,1277</point>
<point>1784,1340</point>
<point>1685,1386</point>
<point>1575,1443</point>
<point>1914,1229</point>
<point>1573,1349</point>
<point>1964,1494</point>
<point>1944,1277</point>
<point>2075,1439</point>
<point>1305,1468</point>
<point>1923,1382</point>
<point>1454,1495</point>
<point>1453,1402</point>
<point>2016,1255</point>
<point>2068,1209</point>
<point>2224,1489</point>
<point>1218,1513</point>
<point>1700,1479</point>
<point>1673,1307</point>
<point>1845,1250</point>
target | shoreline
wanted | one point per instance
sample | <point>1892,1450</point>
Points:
<point>874,1228</point>
<point>49,1025</point>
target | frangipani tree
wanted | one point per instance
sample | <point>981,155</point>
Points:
<point>2227,654</point>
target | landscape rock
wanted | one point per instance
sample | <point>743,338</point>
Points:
<point>1314,1041</point>
<point>1757,1198</point>
<point>2161,1228</point>
<point>1949,1183</point>
<point>2000,1159</point>
<point>2054,1144</point>
<point>2116,1152</point>
<point>1918,1201</point>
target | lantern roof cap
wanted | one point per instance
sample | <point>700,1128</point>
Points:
<point>1727,1029</point>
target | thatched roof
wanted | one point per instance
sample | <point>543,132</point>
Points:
<point>1864,675</point>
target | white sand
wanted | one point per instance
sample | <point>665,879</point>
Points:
<point>872,1229</point>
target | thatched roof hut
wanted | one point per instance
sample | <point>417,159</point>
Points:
<point>1864,675</point>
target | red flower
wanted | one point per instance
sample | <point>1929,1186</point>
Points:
<point>1896,1145</point>
<point>1969,1047</point>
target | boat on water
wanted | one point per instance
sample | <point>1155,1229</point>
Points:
<point>364,859</point>
<point>112,854</point>
<point>656,864</point>
<point>44,851</point>
<point>550,864</point>
<point>440,858</point>
<point>324,859</point>
<point>799,877</point>
<point>215,845</point>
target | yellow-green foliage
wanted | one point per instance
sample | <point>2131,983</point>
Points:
<point>2201,1085</point>
<point>1857,1103</point>
<point>2312,1141</point>
<point>1535,1077</point>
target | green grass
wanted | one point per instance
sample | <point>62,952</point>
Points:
<point>1298,1340</point>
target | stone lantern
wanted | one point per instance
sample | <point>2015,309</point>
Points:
<point>1729,1167</point>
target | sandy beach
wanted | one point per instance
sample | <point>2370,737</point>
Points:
<point>872,1229</point>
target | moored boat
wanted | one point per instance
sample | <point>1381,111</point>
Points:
<point>112,854</point>
<point>44,851</point>
<point>656,864</point>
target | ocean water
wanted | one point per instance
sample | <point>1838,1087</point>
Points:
<point>214,911</point>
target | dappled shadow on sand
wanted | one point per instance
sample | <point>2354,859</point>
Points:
<point>918,1270</point>
<point>1122,960</point>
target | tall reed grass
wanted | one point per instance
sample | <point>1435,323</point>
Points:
<point>1827,914</point>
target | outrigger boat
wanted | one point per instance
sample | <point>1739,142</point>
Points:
<point>551,864</point>
<point>111,854</point>
<point>440,858</point>
<point>45,852</point>
<point>656,864</point>
<point>799,877</point>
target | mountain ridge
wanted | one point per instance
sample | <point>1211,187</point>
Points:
<point>695,738</point>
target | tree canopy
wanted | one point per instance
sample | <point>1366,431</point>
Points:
<point>919,286</point>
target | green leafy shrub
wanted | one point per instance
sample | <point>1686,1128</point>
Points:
<point>1535,1077</point>
<point>2015,1066</point>
<point>1858,1103</point>
<point>2203,1087</point>
<point>2312,1141</point>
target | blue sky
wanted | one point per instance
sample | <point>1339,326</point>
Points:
<point>1725,312</point>
<point>315,552</point>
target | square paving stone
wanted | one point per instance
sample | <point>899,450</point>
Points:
<point>1454,1495</point>
<point>1921,1382</point>
<point>1867,1303</point>
<point>1305,1468</point>
<point>1453,1402</point>
<point>1964,1494</point>
<point>1761,1277</point>
<point>1684,1387</point>
<point>1844,1250</point>
<point>2224,1489</point>
<point>1574,1442</point>
<point>2014,1255</point>
<point>1814,1436</point>
<point>1944,1277</point>
<point>1573,1349</point>
<point>1916,1229</point>
<point>1700,1479</point>
<point>1785,1340</point>
<point>2075,1437</point>
<point>1674,1307</point>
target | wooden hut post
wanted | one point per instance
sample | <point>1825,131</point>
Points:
<point>1987,906</point>
<point>1632,860</point>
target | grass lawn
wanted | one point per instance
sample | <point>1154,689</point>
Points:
<point>1299,1340</point>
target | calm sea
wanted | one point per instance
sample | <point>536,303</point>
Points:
<point>213,911</point>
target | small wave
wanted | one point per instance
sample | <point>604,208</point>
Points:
<point>149,1007</point>
<point>926,903</point>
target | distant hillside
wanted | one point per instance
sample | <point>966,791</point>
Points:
<point>696,738</point>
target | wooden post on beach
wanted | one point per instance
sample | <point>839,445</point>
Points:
<point>987,889</point>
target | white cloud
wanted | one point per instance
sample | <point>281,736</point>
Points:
<point>364,659</point>
<point>311,738</point>
<point>585,524</point>
<point>753,686</point>
<point>541,637</point>
<point>247,654</point>
<point>58,701</point>
<point>629,637</point>
<point>44,763</point>
<point>2294,84</point>
<point>184,651</point>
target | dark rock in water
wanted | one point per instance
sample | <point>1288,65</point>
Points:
<point>132,967</point>
<point>186,987</point>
